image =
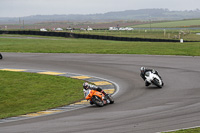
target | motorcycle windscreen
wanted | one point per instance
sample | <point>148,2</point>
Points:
<point>147,74</point>
<point>87,92</point>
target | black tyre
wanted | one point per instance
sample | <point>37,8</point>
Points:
<point>111,99</point>
<point>1,57</point>
<point>97,101</point>
<point>156,82</point>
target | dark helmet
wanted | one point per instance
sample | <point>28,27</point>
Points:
<point>85,85</point>
<point>142,69</point>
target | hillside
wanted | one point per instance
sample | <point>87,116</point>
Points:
<point>141,15</point>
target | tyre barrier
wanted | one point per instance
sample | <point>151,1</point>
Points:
<point>101,37</point>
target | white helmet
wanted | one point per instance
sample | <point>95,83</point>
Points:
<point>85,85</point>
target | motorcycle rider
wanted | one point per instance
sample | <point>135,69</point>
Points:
<point>87,86</point>
<point>144,70</point>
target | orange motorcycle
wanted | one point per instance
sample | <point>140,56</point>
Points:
<point>98,98</point>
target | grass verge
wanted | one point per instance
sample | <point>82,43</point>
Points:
<point>98,46</point>
<point>22,93</point>
<point>193,130</point>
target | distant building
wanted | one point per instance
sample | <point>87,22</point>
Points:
<point>59,29</point>
<point>82,29</point>
<point>120,28</point>
<point>128,28</point>
<point>113,28</point>
<point>43,29</point>
<point>89,28</point>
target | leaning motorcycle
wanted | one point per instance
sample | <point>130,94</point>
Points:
<point>98,98</point>
<point>154,79</point>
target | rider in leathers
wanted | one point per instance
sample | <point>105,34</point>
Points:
<point>144,70</point>
<point>87,86</point>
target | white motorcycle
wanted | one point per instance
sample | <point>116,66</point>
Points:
<point>154,79</point>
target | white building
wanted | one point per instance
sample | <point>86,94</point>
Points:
<point>113,28</point>
<point>89,28</point>
<point>59,29</point>
<point>43,29</point>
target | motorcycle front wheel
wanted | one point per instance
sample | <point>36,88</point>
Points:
<point>111,99</point>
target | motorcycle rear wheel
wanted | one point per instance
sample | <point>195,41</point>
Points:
<point>156,82</point>
<point>97,101</point>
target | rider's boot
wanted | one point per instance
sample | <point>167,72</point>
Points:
<point>104,93</point>
<point>108,101</point>
<point>106,96</point>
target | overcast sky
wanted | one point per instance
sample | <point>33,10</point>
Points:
<point>20,8</point>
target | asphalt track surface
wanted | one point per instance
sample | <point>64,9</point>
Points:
<point>137,108</point>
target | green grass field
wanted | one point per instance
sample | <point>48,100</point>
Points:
<point>69,45</point>
<point>193,130</point>
<point>172,24</point>
<point>22,93</point>
<point>149,33</point>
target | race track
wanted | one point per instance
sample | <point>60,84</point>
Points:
<point>137,109</point>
